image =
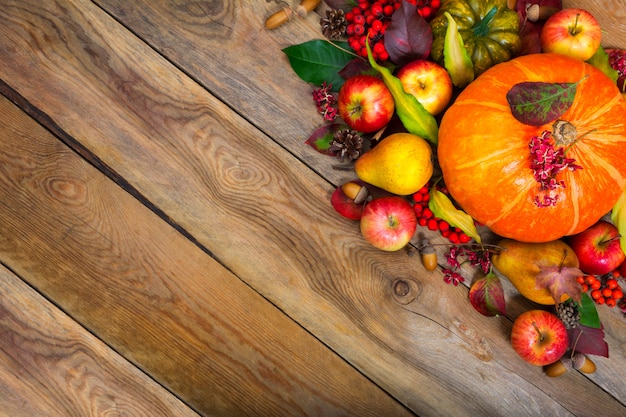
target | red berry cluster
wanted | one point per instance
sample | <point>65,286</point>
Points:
<point>603,289</point>
<point>369,19</point>
<point>426,217</point>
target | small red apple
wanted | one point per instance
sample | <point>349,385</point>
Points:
<point>365,103</point>
<point>539,337</point>
<point>428,82</point>
<point>388,223</point>
<point>572,32</point>
<point>598,248</point>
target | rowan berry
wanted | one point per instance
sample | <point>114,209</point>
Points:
<point>379,48</point>
<point>453,237</point>
<point>585,287</point>
<point>422,221</point>
<point>432,224</point>
<point>463,238</point>
<point>617,294</point>
<point>611,283</point>
<point>590,279</point>
<point>595,285</point>
<point>377,25</point>
<point>600,300</point>
<point>443,226</point>
<point>610,302</point>
<point>607,292</point>
<point>580,280</point>
<point>427,213</point>
<point>596,294</point>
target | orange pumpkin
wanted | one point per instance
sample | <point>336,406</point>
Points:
<point>485,159</point>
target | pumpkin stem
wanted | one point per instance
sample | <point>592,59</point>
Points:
<point>483,27</point>
<point>565,134</point>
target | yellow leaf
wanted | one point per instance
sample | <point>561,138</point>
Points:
<point>443,208</point>
<point>618,217</point>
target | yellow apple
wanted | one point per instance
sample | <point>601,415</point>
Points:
<point>572,32</point>
<point>428,82</point>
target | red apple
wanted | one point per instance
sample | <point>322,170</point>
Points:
<point>365,103</point>
<point>572,32</point>
<point>598,248</point>
<point>388,223</point>
<point>539,337</point>
<point>428,82</point>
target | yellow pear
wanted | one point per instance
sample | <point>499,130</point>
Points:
<point>521,262</point>
<point>401,163</point>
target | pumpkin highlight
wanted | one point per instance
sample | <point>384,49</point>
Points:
<point>484,152</point>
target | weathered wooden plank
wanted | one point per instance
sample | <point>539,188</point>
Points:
<point>50,366</point>
<point>195,44</point>
<point>151,294</point>
<point>261,213</point>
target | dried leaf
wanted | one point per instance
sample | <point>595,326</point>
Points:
<point>487,296</point>
<point>319,61</point>
<point>588,340</point>
<point>322,137</point>
<point>409,36</point>
<point>536,103</point>
<point>443,208</point>
<point>618,217</point>
<point>560,280</point>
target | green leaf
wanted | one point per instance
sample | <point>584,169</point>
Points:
<point>414,117</point>
<point>588,313</point>
<point>600,60</point>
<point>319,61</point>
<point>536,103</point>
<point>618,217</point>
<point>456,60</point>
<point>443,208</point>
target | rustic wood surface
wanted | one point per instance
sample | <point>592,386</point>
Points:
<point>159,206</point>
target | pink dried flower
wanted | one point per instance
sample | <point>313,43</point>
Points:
<point>325,100</point>
<point>452,277</point>
<point>617,61</point>
<point>475,257</point>
<point>546,162</point>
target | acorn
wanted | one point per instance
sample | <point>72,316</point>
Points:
<point>355,191</point>
<point>429,256</point>
<point>578,361</point>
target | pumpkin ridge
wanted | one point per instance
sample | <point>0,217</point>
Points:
<point>583,117</point>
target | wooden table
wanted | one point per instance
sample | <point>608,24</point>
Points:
<point>168,247</point>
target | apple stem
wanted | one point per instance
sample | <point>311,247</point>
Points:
<point>573,30</point>
<point>538,331</point>
<point>607,241</point>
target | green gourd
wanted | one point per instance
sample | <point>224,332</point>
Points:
<point>490,31</point>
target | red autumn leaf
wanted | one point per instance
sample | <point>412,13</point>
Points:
<point>321,138</point>
<point>409,36</point>
<point>560,280</point>
<point>357,66</point>
<point>487,296</point>
<point>588,340</point>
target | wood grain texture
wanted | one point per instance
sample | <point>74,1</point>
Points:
<point>149,293</point>
<point>257,208</point>
<point>50,366</point>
